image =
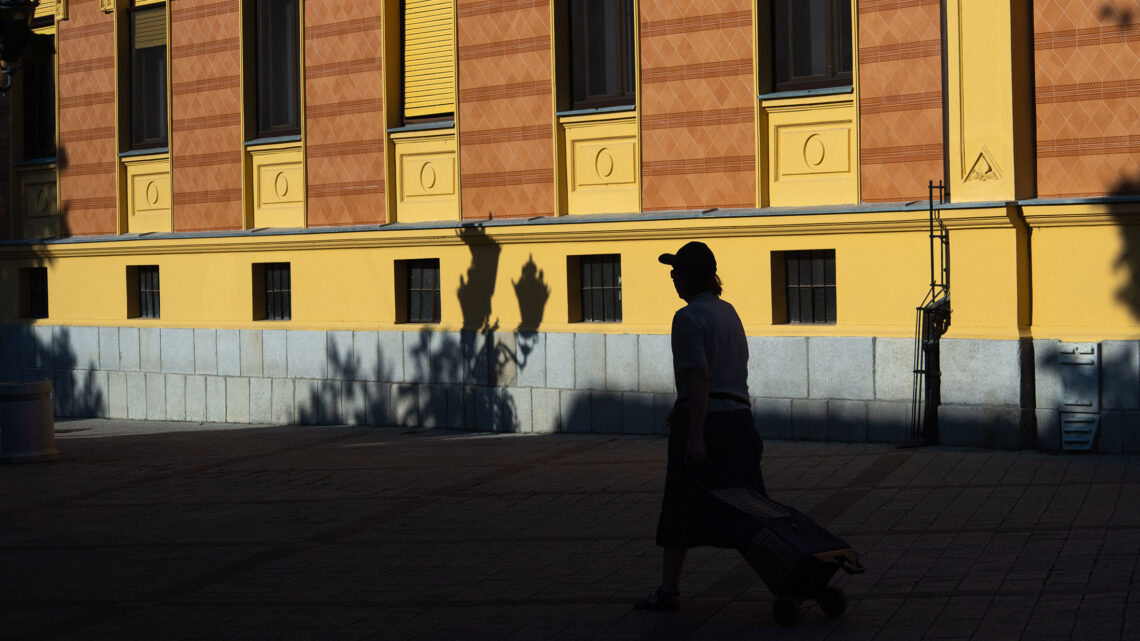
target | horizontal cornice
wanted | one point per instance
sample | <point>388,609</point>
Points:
<point>908,218</point>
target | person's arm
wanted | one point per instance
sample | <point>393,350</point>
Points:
<point>698,385</point>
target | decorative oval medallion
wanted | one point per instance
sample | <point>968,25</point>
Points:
<point>151,193</point>
<point>814,150</point>
<point>604,163</point>
<point>427,176</point>
<point>281,184</point>
<point>44,198</point>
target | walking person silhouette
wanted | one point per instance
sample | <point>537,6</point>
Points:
<point>710,428</point>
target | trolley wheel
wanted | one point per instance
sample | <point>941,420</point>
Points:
<point>786,610</point>
<point>833,602</point>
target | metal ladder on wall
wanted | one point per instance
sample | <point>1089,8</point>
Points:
<point>931,322</point>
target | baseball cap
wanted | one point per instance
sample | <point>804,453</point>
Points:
<point>695,256</point>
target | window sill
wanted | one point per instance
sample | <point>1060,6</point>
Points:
<point>154,151</point>
<point>272,140</point>
<point>807,93</point>
<point>47,160</point>
<point>424,126</point>
<point>595,110</point>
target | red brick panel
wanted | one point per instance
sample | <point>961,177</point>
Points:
<point>206,139</point>
<point>900,98</point>
<point>87,145</point>
<point>1088,99</point>
<point>506,123</point>
<point>344,127</point>
<point>697,105</point>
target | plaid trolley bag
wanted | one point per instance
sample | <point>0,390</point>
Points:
<point>794,556</point>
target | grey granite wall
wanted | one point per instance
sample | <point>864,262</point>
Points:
<point>995,393</point>
<point>987,394</point>
<point>853,389</point>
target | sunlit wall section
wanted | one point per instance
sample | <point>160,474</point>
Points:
<point>344,129</point>
<point>506,119</point>
<point>697,100</point>
<point>900,99</point>
<point>87,143</point>
<point>1088,109</point>
<point>206,135</point>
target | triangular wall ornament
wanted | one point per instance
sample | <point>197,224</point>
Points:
<point>984,168</point>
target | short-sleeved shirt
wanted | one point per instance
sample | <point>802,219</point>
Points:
<point>707,334</point>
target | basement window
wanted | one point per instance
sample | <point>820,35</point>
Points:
<point>595,288</point>
<point>142,292</point>
<point>803,284</point>
<point>418,292</point>
<point>272,291</point>
<point>33,292</point>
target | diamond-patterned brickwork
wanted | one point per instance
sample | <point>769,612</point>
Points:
<point>1087,79</point>
<point>206,138</point>
<point>697,57</point>
<point>344,128</point>
<point>899,63</point>
<point>87,146</point>
<point>510,88</point>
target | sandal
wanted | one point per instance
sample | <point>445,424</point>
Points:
<point>660,601</point>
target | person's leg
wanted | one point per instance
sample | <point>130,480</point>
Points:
<point>673,562</point>
<point>667,597</point>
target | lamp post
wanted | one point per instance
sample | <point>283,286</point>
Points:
<point>15,34</point>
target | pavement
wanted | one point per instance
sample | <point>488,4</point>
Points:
<point>179,531</point>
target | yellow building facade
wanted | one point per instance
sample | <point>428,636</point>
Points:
<point>448,213</point>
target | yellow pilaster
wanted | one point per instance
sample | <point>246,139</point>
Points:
<point>989,273</point>
<point>989,72</point>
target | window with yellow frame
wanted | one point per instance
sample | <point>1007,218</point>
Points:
<point>428,59</point>
<point>146,76</point>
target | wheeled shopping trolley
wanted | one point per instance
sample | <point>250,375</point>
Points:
<point>794,556</point>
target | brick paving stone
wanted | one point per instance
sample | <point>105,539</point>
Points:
<point>184,531</point>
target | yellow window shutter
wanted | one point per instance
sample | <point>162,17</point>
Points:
<point>150,28</point>
<point>429,58</point>
<point>45,9</point>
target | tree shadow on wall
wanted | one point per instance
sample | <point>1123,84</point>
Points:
<point>1125,192</point>
<point>1126,215</point>
<point>464,380</point>
<point>1112,12</point>
<point>1065,386</point>
<point>39,352</point>
<point>64,215</point>
<point>30,352</point>
<point>357,388</point>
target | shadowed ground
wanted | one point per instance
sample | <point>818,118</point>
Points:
<point>177,531</point>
